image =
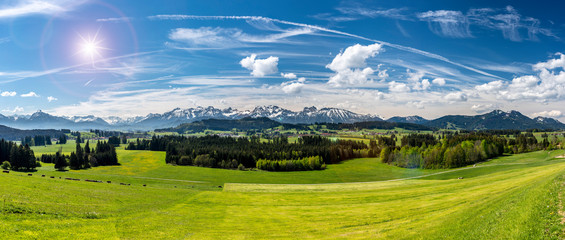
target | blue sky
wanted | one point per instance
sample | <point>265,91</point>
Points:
<point>428,58</point>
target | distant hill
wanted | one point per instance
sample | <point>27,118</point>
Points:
<point>496,119</point>
<point>13,134</point>
<point>261,123</point>
<point>409,119</point>
<point>244,124</point>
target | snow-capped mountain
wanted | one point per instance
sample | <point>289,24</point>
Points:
<point>494,120</point>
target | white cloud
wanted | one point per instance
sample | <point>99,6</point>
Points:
<point>8,94</point>
<point>425,84</point>
<point>447,23</point>
<point>490,87</point>
<point>29,7</point>
<point>550,114</point>
<point>260,67</point>
<point>51,99</point>
<point>206,36</point>
<point>509,22</point>
<point>398,87</point>
<point>354,57</point>
<point>551,64</point>
<point>15,110</point>
<point>417,104</point>
<point>415,79</point>
<point>348,64</point>
<point>394,13</point>
<point>30,94</point>
<point>456,97</point>
<point>439,81</point>
<point>547,85</point>
<point>117,20</point>
<point>293,87</point>
<point>349,76</point>
<point>288,75</point>
<point>231,37</point>
<point>483,108</point>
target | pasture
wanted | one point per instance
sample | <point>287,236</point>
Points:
<point>513,197</point>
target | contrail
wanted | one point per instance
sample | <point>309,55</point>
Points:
<point>400,47</point>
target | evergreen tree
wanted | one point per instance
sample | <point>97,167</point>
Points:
<point>74,162</point>
<point>80,156</point>
<point>60,161</point>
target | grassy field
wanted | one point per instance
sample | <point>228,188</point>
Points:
<point>513,197</point>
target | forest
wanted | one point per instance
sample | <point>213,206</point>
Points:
<point>457,150</point>
<point>16,157</point>
<point>229,152</point>
<point>442,150</point>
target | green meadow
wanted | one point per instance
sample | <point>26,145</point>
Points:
<point>512,197</point>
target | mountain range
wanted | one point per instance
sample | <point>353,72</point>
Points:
<point>494,120</point>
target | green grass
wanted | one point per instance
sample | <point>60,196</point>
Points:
<point>513,197</point>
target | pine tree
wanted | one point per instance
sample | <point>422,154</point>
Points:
<point>74,162</point>
<point>60,161</point>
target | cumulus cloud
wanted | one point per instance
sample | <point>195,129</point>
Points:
<point>351,76</point>
<point>550,114</point>
<point>456,97</point>
<point>415,79</point>
<point>293,87</point>
<point>8,94</point>
<point>348,64</point>
<point>260,67</point>
<point>439,81</point>
<point>30,94</point>
<point>547,85</point>
<point>398,87</point>
<point>288,75</point>
<point>51,99</point>
<point>490,87</point>
<point>551,64</point>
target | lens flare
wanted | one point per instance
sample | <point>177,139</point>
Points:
<point>91,46</point>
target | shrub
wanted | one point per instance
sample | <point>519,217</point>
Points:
<point>241,167</point>
<point>6,165</point>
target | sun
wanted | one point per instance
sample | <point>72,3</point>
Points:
<point>90,47</point>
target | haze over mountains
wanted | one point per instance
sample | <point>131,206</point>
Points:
<point>494,120</point>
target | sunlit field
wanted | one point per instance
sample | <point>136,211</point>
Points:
<point>513,197</point>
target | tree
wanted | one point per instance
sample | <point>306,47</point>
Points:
<point>74,162</point>
<point>63,139</point>
<point>60,161</point>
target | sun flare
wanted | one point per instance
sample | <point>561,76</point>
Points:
<point>90,47</point>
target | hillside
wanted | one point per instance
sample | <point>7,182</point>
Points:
<point>264,123</point>
<point>13,134</point>
<point>495,120</point>
<point>512,197</point>
<point>244,124</point>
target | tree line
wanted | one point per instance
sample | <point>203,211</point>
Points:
<point>82,158</point>
<point>231,152</point>
<point>457,150</point>
<point>16,157</point>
